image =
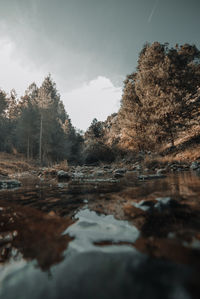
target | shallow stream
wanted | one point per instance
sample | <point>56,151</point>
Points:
<point>95,239</point>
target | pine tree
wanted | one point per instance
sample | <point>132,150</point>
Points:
<point>52,120</point>
<point>27,126</point>
<point>154,105</point>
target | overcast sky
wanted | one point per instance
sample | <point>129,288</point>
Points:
<point>87,45</point>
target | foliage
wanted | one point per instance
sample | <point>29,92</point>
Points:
<point>154,106</point>
<point>96,152</point>
<point>37,125</point>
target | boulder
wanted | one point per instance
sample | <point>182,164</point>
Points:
<point>9,184</point>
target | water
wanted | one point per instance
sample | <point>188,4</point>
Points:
<point>73,242</point>
<point>92,228</point>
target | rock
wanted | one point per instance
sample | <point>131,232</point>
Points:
<point>162,204</point>
<point>151,177</point>
<point>118,175</point>
<point>6,237</point>
<point>144,205</point>
<point>52,214</point>
<point>9,184</point>
<point>161,171</point>
<point>173,167</point>
<point>61,174</point>
<point>3,174</point>
<point>62,185</point>
<point>107,167</point>
<point>136,167</point>
<point>99,173</point>
<point>195,165</point>
<point>104,180</point>
<point>165,203</point>
<point>120,170</point>
<point>78,175</point>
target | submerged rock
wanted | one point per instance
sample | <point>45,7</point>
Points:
<point>162,204</point>
<point>144,205</point>
<point>9,184</point>
<point>165,203</point>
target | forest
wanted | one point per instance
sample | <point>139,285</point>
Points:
<point>160,103</point>
<point>37,125</point>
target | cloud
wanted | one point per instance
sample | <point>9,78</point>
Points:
<point>14,74</point>
<point>77,40</point>
<point>96,99</point>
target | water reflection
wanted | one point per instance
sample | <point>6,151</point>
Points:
<point>92,228</point>
<point>32,234</point>
<point>46,229</point>
<point>98,275</point>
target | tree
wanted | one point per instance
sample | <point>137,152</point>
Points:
<point>27,129</point>
<point>131,117</point>
<point>53,120</point>
<point>164,78</point>
<point>3,102</point>
<point>95,130</point>
<point>48,104</point>
<point>3,122</point>
<point>154,98</point>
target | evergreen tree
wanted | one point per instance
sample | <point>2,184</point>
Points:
<point>154,105</point>
<point>3,122</point>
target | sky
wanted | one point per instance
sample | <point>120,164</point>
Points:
<point>89,46</point>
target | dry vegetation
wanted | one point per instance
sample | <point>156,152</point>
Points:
<point>10,164</point>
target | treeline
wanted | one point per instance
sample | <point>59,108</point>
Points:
<point>157,102</point>
<point>38,126</point>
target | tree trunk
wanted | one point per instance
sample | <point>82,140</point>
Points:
<point>40,141</point>
<point>172,138</point>
<point>28,148</point>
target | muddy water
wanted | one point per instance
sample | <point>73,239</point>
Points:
<point>101,239</point>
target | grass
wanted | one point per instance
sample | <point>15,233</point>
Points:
<point>10,164</point>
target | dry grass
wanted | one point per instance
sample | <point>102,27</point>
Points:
<point>189,154</point>
<point>185,156</point>
<point>63,165</point>
<point>10,164</point>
